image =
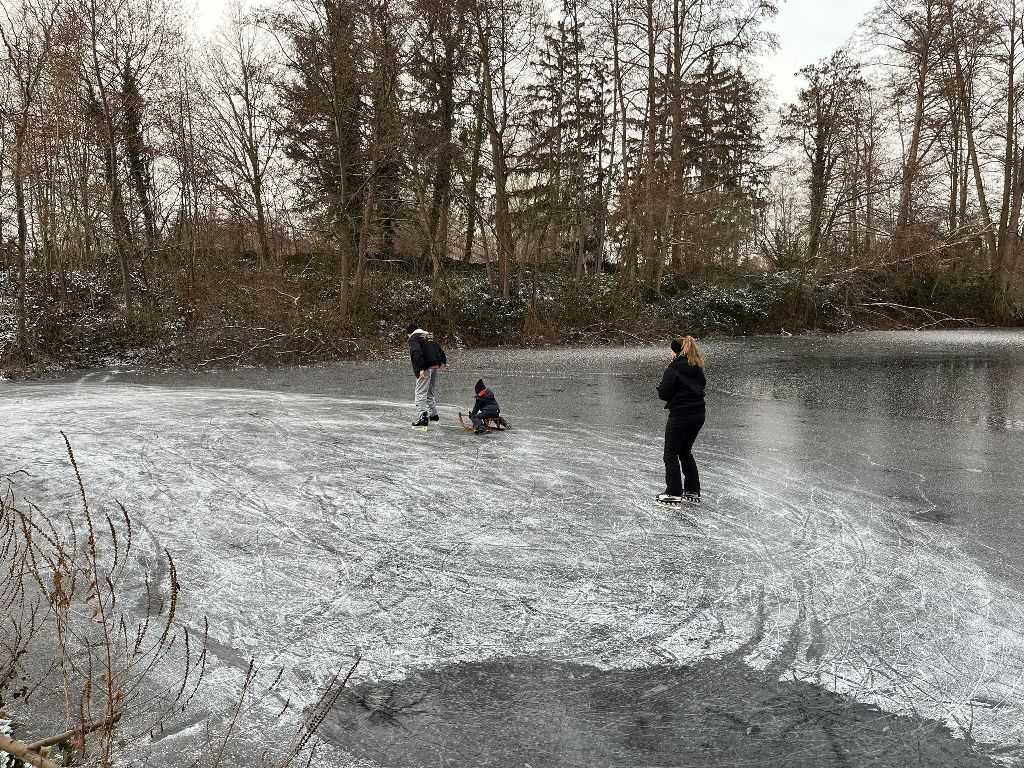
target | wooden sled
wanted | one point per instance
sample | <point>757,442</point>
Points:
<point>492,423</point>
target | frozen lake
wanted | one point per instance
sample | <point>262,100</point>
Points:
<point>852,593</point>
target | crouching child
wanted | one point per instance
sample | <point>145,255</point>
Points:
<point>485,407</point>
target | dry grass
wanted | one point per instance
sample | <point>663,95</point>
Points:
<point>92,651</point>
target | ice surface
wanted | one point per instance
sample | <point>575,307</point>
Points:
<point>860,531</point>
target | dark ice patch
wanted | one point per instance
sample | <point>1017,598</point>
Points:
<point>545,714</point>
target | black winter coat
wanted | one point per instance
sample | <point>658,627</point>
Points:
<point>486,404</point>
<point>425,352</point>
<point>682,387</point>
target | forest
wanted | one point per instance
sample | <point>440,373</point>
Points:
<point>304,181</point>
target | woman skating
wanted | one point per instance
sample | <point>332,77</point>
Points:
<point>682,389</point>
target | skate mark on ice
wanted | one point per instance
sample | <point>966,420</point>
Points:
<point>306,526</point>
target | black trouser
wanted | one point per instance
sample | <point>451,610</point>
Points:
<point>680,432</point>
<point>478,417</point>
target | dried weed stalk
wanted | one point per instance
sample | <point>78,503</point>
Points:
<point>91,636</point>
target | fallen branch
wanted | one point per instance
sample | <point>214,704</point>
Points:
<point>24,753</point>
<point>967,320</point>
<point>69,735</point>
<point>962,239</point>
<point>238,355</point>
<point>934,316</point>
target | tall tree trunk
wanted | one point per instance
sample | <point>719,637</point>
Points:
<point>118,217</point>
<point>1006,240</point>
<point>869,182</point>
<point>966,108</point>
<point>1009,279</point>
<point>676,146</point>
<point>628,276</point>
<point>443,173</point>
<point>910,165</point>
<point>502,223</point>
<point>135,153</point>
<point>954,152</point>
<point>474,177</point>
<point>364,237</point>
<point>603,176</point>
<point>819,182</point>
<point>19,198</point>
<point>262,232</point>
<point>578,184</point>
<point>650,268</point>
<point>338,38</point>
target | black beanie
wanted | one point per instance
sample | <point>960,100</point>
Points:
<point>410,328</point>
<point>480,386</point>
<point>677,347</point>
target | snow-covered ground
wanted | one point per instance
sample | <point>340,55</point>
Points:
<point>837,542</point>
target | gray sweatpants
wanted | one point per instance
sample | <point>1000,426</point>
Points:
<point>426,401</point>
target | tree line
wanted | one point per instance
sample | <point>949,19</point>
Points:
<point>587,138</point>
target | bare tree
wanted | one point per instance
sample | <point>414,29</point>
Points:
<point>818,125</point>
<point>27,36</point>
<point>243,79</point>
<point>915,31</point>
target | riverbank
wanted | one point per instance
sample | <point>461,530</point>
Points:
<point>272,319</point>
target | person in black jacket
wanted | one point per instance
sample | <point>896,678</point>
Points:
<point>682,389</point>
<point>485,407</point>
<point>427,358</point>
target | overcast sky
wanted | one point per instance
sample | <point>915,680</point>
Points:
<point>808,30</point>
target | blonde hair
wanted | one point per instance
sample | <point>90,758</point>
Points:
<point>691,349</point>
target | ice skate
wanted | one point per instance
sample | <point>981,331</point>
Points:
<point>668,500</point>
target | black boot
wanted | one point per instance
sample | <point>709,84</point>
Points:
<point>435,417</point>
<point>423,421</point>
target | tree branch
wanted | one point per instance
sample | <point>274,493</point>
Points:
<point>24,753</point>
<point>68,735</point>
